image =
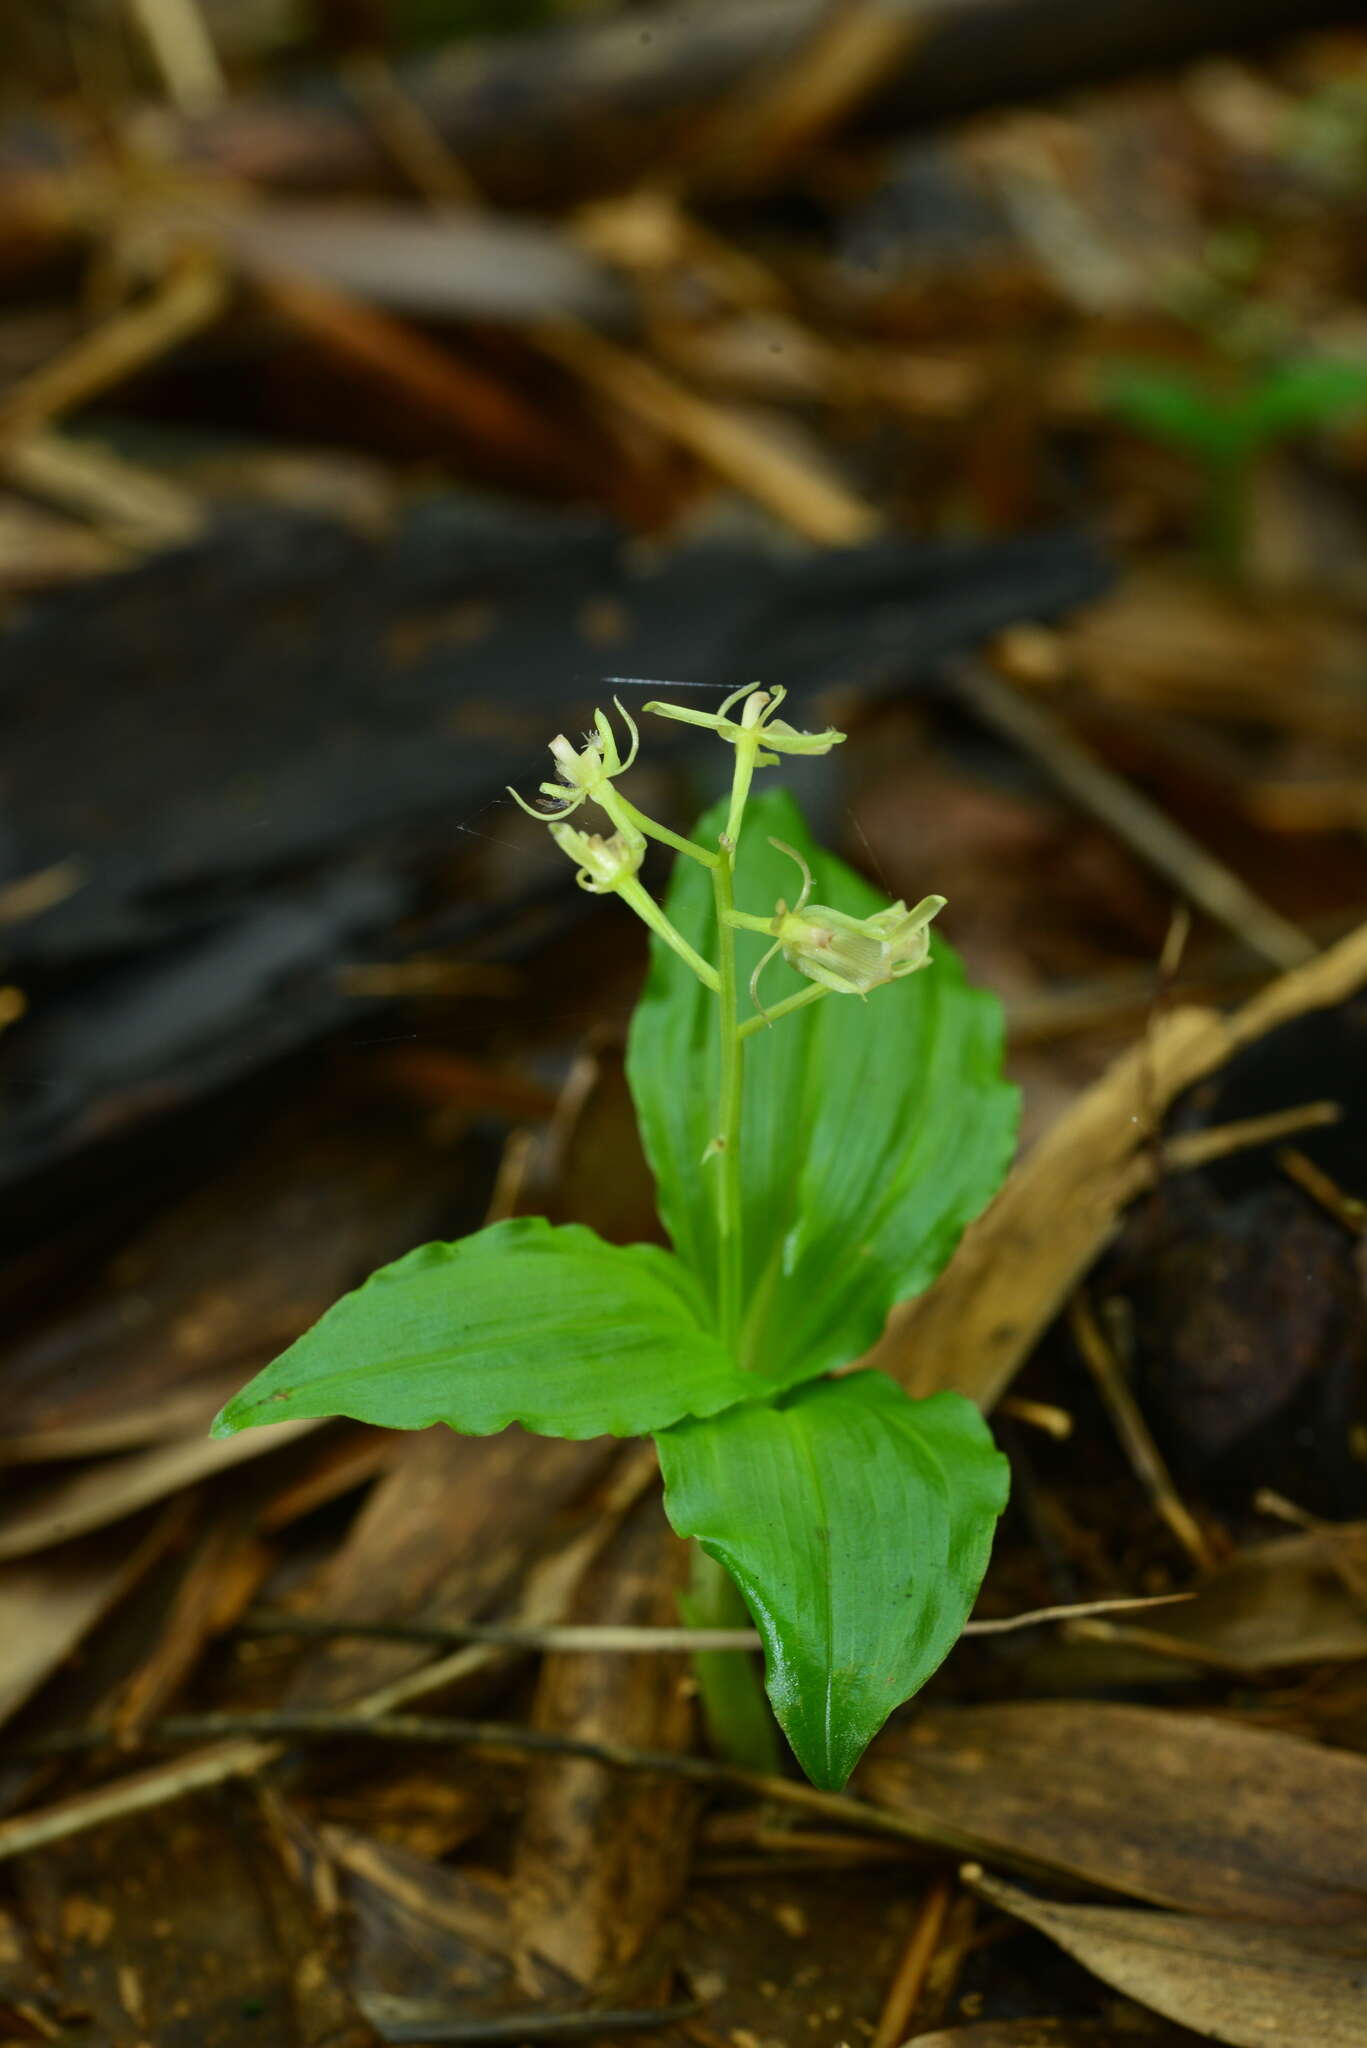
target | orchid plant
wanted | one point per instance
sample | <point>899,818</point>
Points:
<point>816,1160</point>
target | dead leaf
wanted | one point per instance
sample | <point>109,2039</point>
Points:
<point>449,1530</point>
<point>100,1494</point>
<point>602,1855</point>
<point>1249,1985</point>
<point>48,1605</point>
<point>1180,1809</point>
<point>1021,1261</point>
<point>1275,1605</point>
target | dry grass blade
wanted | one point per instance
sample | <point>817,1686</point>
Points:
<point>1244,1984</point>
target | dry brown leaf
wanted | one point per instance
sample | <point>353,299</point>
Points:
<point>602,1855</point>
<point>1021,1261</point>
<point>449,1529</point>
<point>104,1493</point>
<point>48,1605</point>
<point>1253,1986</point>
<point>1278,1604</point>
<point>1182,1810</point>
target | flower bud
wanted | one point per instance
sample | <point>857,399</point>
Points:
<point>853,955</point>
<point>604,864</point>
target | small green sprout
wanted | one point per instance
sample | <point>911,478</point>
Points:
<point>1228,428</point>
<point>810,1177</point>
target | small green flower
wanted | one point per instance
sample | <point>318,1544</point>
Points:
<point>848,955</point>
<point>585,772</point>
<point>604,864</point>
<point>757,722</point>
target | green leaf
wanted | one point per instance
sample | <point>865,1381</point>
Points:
<point>1296,396</point>
<point>1182,411</point>
<point>874,1131</point>
<point>525,1323</point>
<point>857,1524</point>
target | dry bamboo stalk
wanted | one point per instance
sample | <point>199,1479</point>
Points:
<point>805,497</point>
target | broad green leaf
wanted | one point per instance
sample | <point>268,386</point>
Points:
<point>874,1131</point>
<point>525,1322</point>
<point>857,1524</point>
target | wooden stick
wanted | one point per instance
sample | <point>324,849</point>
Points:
<point>192,296</point>
<point>183,51</point>
<point>1143,1453</point>
<point>756,132</point>
<point>803,495</point>
<point>904,1993</point>
<point>1143,827</point>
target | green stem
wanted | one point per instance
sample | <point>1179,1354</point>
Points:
<point>650,913</point>
<point>745,921</point>
<point>621,810</point>
<point>811,994</point>
<point>1229,491</point>
<point>739,1722</point>
<point>726,1142</point>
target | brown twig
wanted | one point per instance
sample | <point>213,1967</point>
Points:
<point>192,295</point>
<point>802,494</point>
<point>405,132</point>
<point>909,1979</point>
<point>1133,1431</point>
<point>1349,1210</point>
<point>623,1641</point>
<point>1133,818</point>
<point>541,2025</point>
<point>183,52</point>
<point>279,1727</point>
<point>1191,1149</point>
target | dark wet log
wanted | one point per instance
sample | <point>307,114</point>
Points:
<point>596,104</point>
